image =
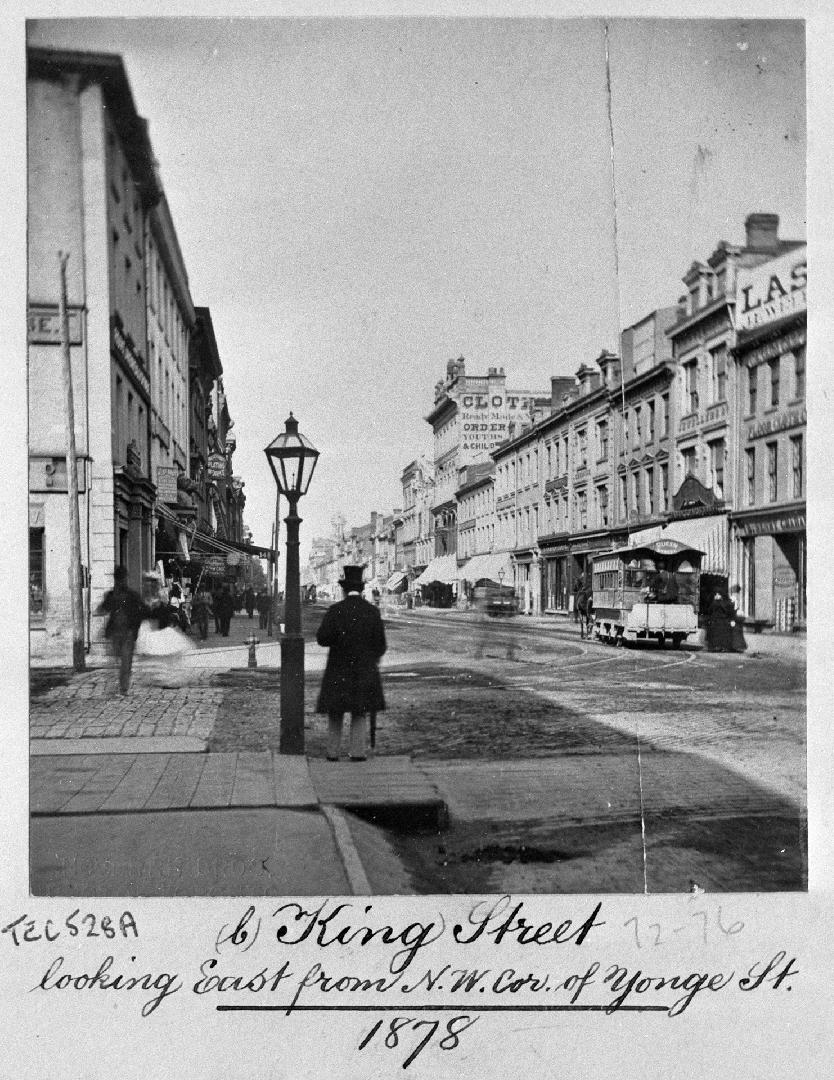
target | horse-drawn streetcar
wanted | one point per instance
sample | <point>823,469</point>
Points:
<point>647,593</point>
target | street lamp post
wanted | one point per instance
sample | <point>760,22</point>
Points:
<point>292,458</point>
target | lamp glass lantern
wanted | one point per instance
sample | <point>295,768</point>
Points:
<point>292,458</point>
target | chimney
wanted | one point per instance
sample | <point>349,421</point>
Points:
<point>762,231</point>
<point>561,387</point>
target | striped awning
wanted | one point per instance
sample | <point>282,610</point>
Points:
<point>443,568</point>
<point>396,579</point>
<point>708,534</point>
<point>489,567</point>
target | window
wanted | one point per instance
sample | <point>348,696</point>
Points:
<point>663,495</point>
<point>634,424</point>
<point>691,384</point>
<point>717,454</point>
<point>602,505</point>
<point>582,448</point>
<point>799,373</point>
<point>752,390</point>
<point>649,408</point>
<point>797,465</point>
<point>582,504</point>
<point>623,497</point>
<point>772,471</point>
<point>750,459</point>
<point>664,416</point>
<point>688,465</point>
<point>635,494</point>
<point>602,440</point>
<point>719,374</point>
<point>36,571</point>
<point>774,381</point>
<point>649,503</point>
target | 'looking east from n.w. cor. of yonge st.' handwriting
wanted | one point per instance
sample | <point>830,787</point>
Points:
<point>422,971</point>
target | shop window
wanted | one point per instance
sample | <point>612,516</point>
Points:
<point>752,390</point>
<point>772,471</point>
<point>750,456</point>
<point>797,466</point>
<point>37,572</point>
<point>774,381</point>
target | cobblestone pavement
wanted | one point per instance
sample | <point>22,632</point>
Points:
<point>89,705</point>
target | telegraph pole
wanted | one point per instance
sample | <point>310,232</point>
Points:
<point>76,601</point>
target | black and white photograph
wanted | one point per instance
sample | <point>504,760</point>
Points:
<point>417,456</point>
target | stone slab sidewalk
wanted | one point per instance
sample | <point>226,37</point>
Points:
<point>106,783</point>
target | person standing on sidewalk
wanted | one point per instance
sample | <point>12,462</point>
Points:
<point>224,608</point>
<point>126,612</point>
<point>353,632</point>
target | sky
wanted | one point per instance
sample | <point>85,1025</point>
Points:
<point>360,200</point>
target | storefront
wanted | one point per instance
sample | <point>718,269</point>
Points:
<point>772,566</point>
<point>555,577</point>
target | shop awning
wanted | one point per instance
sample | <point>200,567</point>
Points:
<point>707,534</point>
<point>396,580</point>
<point>442,568</point>
<point>488,566</point>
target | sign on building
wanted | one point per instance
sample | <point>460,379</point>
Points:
<point>772,290</point>
<point>217,466</point>
<point>166,484</point>
<point>44,325</point>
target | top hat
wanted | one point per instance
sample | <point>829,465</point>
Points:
<point>352,578</point>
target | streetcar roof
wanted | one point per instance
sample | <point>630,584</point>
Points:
<point>657,547</point>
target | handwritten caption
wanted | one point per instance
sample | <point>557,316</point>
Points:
<point>413,983</point>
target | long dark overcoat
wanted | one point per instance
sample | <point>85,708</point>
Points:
<point>353,631</point>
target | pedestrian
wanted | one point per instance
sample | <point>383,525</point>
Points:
<point>353,632</point>
<point>737,638</point>
<point>201,609</point>
<point>263,602</point>
<point>125,612</point>
<point>249,600</point>
<point>719,620</point>
<point>224,608</point>
<point>215,600</point>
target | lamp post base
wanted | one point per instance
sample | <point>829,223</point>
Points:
<point>292,694</point>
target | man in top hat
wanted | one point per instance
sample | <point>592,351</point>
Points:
<point>352,630</point>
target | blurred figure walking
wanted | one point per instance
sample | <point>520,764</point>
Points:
<point>353,632</point>
<point>126,612</point>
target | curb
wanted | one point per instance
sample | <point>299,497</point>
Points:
<point>355,871</point>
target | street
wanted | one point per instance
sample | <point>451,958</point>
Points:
<point>566,765</point>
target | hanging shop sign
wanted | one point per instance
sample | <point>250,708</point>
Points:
<point>217,467</point>
<point>44,325</point>
<point>772,290</point>
<point>211,564</point>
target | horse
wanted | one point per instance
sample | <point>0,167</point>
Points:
<point>584,612</point>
